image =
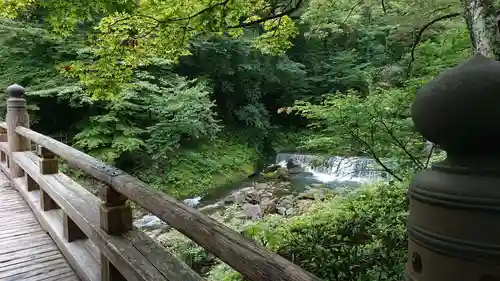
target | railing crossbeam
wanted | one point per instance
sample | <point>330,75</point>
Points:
<point>96,234</point>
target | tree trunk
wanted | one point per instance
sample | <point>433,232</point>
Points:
<point>482,21</point>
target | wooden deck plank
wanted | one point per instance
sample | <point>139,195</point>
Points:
<point>27,253</point>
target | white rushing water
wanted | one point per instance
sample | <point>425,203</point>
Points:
<point>337,168</point>
<point>335,172</point>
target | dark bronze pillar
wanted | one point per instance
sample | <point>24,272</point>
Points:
<point>454,222</point>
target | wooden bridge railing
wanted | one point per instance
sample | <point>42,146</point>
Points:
<point>96,234</point>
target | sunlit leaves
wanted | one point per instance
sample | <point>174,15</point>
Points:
<point>129,34</point>
<point>183,111</point>
<point>326,18</point>
<point>11,8</point>
<point>277,36</point>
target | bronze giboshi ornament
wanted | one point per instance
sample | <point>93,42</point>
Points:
<point>454,221</point>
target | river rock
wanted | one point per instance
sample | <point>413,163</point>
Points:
<point>266,195</point>
<point>212,208</point>
<point>287,200</point>
<point>268,206</point>
<point>271,168</point>
<point>261,186</point>
<point>312,194</point>
<point>285,211</point>
<point>252,211</point>
<point>252,196</point>
<point>239,198</point>
<point>281,210</point>
<point>302,206</point>
<point>295,170</point>
<point>192,202</point>
<point>228,199</point>
<point>151,225</point>
<point>290,163</point>
<point>285,206</point>
<point>290,212</point>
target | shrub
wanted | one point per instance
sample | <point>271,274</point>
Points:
<point>186,250</point>
<point>358,236</point>
<point>223,272</point>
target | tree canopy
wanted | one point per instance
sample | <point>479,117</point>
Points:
<point>125,35</point>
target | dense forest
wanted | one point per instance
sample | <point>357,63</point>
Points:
<point>216,102</point>
<point>189,95</point>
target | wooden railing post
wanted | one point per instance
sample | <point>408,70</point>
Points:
<point>17,115</point>
<point>47,165</point>
<point>115,219</point>
<point>3,138</point>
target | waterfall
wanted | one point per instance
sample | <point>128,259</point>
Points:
<point>337,168</point>
<point>334,172</point>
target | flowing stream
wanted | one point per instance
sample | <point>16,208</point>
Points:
<point>336,170</point>
<point>333,172</point>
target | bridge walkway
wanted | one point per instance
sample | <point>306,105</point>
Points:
<point>27,252</point>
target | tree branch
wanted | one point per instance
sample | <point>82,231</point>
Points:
<point>419,37</point>
<point>295,8</point>
<point>223,4</point>
<point>200,12</point>
<point>351,11</point>
<point>429,156</point>
<point>372,151</point>
<point>170,20</point>
<point>383,7</point>
<point>400,144</point>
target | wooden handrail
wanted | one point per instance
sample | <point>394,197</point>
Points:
<point>123,246</point>
<point>254,262</point>
<point>134,254</point>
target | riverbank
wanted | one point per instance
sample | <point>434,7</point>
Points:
<point>273,194</point>
<point>284,188</point>
<point>275,214</point>
<point>198,170</point>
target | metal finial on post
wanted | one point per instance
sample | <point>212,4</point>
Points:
<point>15,91</point>
<point>454,221</point>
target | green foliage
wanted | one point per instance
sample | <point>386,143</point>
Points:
<point>193,171</point>
<point>174,110</point>
<point>29,55</point>
<point>111,134</point>
<point>183,113</point>
<point>358,236</point>
<point>223,272</point>
<point>379,126</point>
<point>188,251</point>
<point>248,86</point>
<point>131,34</point>
<point>443,51</point>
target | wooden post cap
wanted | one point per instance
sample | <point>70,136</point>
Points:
<point>15,91</point>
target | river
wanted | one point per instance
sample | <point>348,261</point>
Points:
<point>333,172</point>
